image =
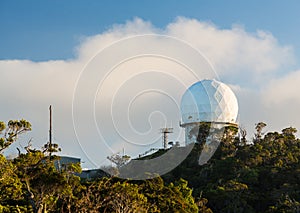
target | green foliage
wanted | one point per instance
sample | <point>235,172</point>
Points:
<point>32,183</point>
<point>246,177</point>
<point>2,126</point>
<point>115,195</point>
<point>42,182</point>
<point>50,148</point>
<point>119,160</point>
<point>201,130</point>
<point>10,184</point>
<point>262,176</point>
<point>175,197</point>
<point>112,195</point>
<point>259,127</point>
<point>285,205</point>
<point>12,131</point>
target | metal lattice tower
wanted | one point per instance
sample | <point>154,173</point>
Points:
<point>165,132</point>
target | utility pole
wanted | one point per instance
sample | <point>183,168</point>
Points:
<point>50,130</point>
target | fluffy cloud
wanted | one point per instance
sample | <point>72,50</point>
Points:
<point>283,90</point>
<point>125,90</point>
<point>281,100</point>
<point>234,52</point>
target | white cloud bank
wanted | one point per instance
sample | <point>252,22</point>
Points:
<point>252,63</point>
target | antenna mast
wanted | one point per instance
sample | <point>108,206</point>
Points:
<point>165,131</point>
<point>50,129</point>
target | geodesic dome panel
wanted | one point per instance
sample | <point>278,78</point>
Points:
<point>210,101</point>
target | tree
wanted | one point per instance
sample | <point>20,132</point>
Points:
<point>50,148</point>
<point>112,195</point>
<point>44,185</point>
<point>286,205</point>
<point>119,160</point>
<point>175,197</point>
<point>40,178</point>
<point>243,133</point>
<point>10,185</point>
<point>11,132</point>
<point>70,194</point>
<point>259,127</point>
<point>289,132</point>
<point>201,203</point>
<point>201,132</point>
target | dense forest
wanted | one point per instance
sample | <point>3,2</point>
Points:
<point>261,175</point>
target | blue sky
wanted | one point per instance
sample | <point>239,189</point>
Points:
<point>50,54</point>
<point>43,30</point>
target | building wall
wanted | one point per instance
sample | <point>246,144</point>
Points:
<point>64,161</point>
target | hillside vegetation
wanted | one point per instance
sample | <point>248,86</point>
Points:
<point>261,175</point>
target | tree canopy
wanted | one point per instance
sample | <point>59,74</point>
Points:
<point>32,183</point>
<point>260,175</point>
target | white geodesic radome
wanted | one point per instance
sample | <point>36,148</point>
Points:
<point>209,101</point>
